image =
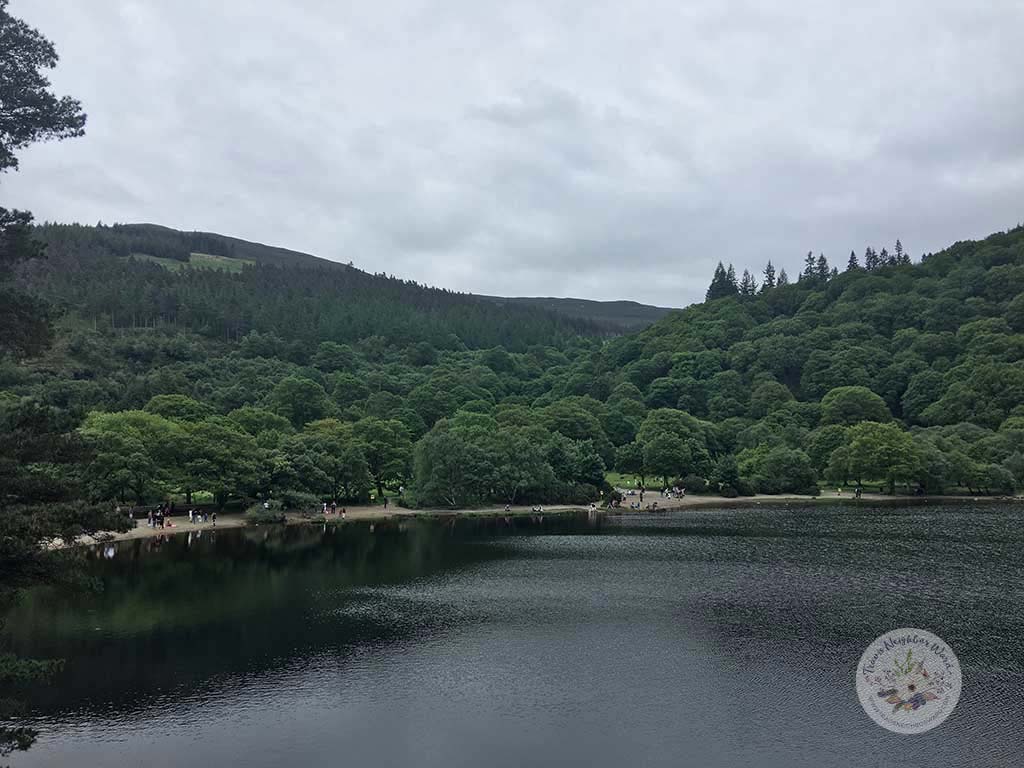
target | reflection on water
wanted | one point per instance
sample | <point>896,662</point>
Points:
<point>712,639</point>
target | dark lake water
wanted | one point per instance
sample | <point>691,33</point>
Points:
<point>718,638</point>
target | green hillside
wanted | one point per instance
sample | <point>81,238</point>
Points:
<point>616,316</point>
<point>314,382</point>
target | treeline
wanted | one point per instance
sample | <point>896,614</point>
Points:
<point>88,272</point>
<point>904,376</point>
<point>724,282</point>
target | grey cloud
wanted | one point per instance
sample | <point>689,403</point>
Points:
<point>602,149</point>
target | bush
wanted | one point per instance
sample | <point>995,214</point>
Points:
<point>693,484</point>
<point>257,515</point>
<point>729,492</point>
<point>296,500</point>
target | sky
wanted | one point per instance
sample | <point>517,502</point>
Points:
<point>604,150</point>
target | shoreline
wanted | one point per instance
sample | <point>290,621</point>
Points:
<point>356,514</point>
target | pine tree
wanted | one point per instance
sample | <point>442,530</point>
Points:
<point>783,277</point>
<point>821,268</point>
<point>884,259</point>
<point>834,273</point>
<point>769,277</point>
<point>852,265</point>
<point>902,257</point>
<point>730,275</point>
<point>747,285</point>
<point>721,284</point>
<point>810,267</point>
<point>870,259</point>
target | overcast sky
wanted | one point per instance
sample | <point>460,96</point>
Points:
<point>597,149</point>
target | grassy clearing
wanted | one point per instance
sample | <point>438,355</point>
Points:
<point>197,261</point>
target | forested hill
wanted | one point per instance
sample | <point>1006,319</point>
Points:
<point>621,316</point>
<point>329,383</point>
<point>139,276</point>
<point>941,341</point>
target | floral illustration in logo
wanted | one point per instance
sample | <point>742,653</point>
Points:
<point>909,680</point>
<point>908,685</point>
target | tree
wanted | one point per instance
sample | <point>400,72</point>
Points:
<point>777,469</point>
<point>29,111</point>
<point>328,461</point>
<point>299,400</point>
<point>769,277</point>
<point>726,473</point>
<point>810,267</point>
<point>881,451</point>
<point>516,463</point>
<point>783,278</point>
<point>850,405</point>
<point>449,469</point>
<point>178,408</point>
<point>821,270</point>
<point>900,256</point>
<point>387,449</point>
<point>666,456</point>
<point>722,285</point>
<point>137,455</point>
<point>884,259</point>
<point>852,265</point>
<point>871,262</point>
<point>747,285</point>
<point>220,458</point>
<point>629,460</point>
<point>331,356</point>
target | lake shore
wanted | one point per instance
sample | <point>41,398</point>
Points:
<point>179,525</point>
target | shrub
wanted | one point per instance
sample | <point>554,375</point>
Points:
<point>729,492</point>
<point>258,515</point>
<point>693,484</point>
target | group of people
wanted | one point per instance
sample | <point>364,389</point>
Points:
<point>332,509</point>
<point>197,516</point>
<point>157,517</point>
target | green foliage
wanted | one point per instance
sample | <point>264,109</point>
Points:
<point>776,469</point>
<point>299,400</point>
<point>851,405</point>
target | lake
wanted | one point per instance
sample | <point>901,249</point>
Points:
<point>701,638</point>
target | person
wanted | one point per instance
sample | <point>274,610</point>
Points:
<point>334,507</point>
<point>343,511</point>
<point>215,518</point>
<point>508,508</point>
<point>385,502</point>
<point>191,516</point>
<point>325,508</point>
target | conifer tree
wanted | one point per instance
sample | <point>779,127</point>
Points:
<point>884,259</point>
<point>783,277</point>
<point>721,283</point>
<point>870,259</point>
<point>821,268</point>
<point>747,285</point>
<point>852,264</point>
<point>769,277</point>
<point>730,275</point>
<point>810,267</point>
